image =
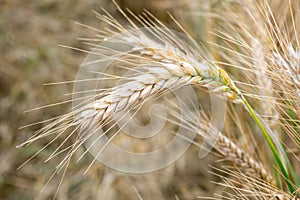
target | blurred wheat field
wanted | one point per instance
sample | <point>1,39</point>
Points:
<point>30,32</point>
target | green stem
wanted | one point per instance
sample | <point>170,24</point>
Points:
<point>272,147</point>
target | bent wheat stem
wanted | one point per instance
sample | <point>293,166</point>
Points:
<point>271,140</point>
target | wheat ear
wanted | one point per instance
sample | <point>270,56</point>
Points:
<point>228,149</point>
<point>248,165</point>
<point>171,63</point>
